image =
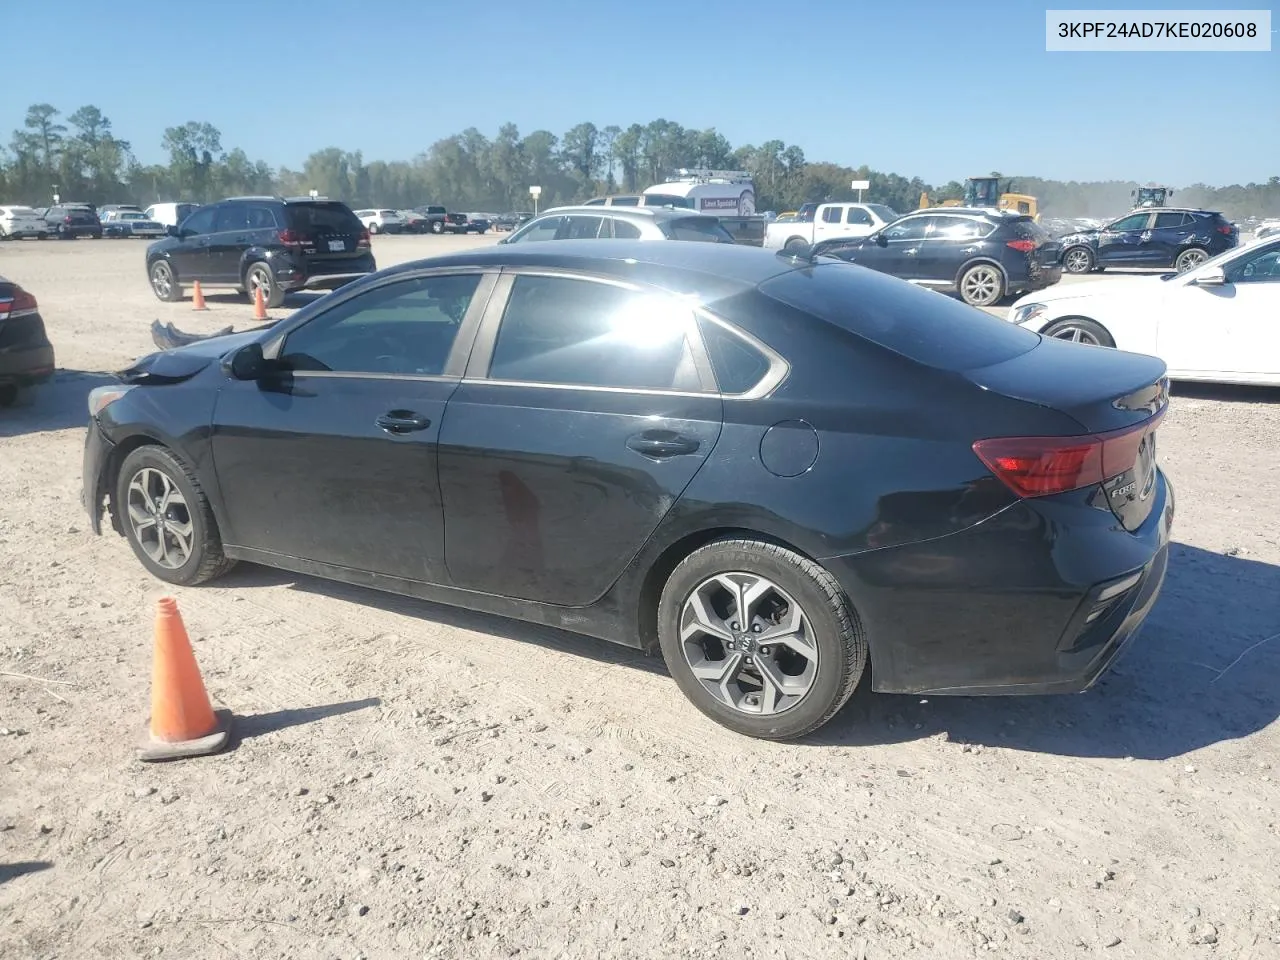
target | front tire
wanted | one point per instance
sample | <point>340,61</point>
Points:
<point>437,226</point>
<point>760,639</point>
<point>982,285</point>
<point>164,282</point>
<point>1190,258</point>
<point>1080,330</point>
<point>167,518</point>
<point>374,230</point>
<point>1078,260</point>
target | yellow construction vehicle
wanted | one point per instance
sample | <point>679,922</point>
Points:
<point>985,192</point>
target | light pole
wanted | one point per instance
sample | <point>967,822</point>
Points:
<point>535,192</point>
<point>314,193</point>
<point>56,198</point>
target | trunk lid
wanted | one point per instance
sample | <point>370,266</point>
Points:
<point>1119,400</point>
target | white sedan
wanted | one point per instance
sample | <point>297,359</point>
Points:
<point>1218,322</point>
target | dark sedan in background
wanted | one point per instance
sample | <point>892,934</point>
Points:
<point>984,255</point>
<point>26,355</point>
<point>775,471</point>
<point>1162,237</point>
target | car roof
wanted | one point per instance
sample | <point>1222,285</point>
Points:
<point>712,270</point>
<point>650,213</point>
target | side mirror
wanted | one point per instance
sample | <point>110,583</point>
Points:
<point>172,230</point>
<point>881,240</point>
<point>1213,277</point>
<point>248,363</point>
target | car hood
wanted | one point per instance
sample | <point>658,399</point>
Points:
<point>182,363</point>
<point>1110,287</point>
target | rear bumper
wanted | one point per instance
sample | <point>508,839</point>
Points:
<point>1041,598</point>
<point>26,365</point>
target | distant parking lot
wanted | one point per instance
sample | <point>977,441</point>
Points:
<point>415,780</point>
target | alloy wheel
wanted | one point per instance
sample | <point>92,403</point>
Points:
<point>159,518</point>
<point>162,280</point>
<point>981,285</point>
<point>749,643</point>
<point>1077,261</point>
<point>1076,334</point>
<point>1191,259</point>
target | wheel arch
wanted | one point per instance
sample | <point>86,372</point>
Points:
<point>655,578</point>
<point>108,479</point>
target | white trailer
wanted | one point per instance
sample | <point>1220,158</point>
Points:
<point>728,193</point>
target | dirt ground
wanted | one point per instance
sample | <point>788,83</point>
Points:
<point>409,780</point>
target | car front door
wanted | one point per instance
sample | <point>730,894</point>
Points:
<point>333,459</point>
<point>587,409</point>
<point>230,236</point>
<point>190,256</point>
<point>1121,242</point>
<point>1232,329</point>
<point>899,253</point>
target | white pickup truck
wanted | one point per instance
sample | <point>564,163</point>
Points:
<point>830,221</point>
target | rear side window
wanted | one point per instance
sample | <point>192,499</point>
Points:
<point>831,215</point>
<point>698,228</point>
<point>579,332</point>
<point>323,218</point>
<point>738,365</point>
<point>1165,221</point>
<point>919,324</point>
<point>625,230</point>
<point>1030,230</point>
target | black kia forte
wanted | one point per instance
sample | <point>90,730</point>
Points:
<point>779,472</point>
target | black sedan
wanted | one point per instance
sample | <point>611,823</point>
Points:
<point>779,472</point>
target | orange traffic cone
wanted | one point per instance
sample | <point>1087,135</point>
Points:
<point>259,304</point>
<point>183,723</point>
<point>197,298</point>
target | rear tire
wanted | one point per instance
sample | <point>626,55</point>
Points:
<point>799,628</point>
<point>437,226</point>
<point>374,230</point>
<point>1078,260</point>
<point>1190,258</point>
<point>1080,330</point>
<point>982,285</point>
<point>167,518</point>
<point>794,245</point>
<point>260,275</point>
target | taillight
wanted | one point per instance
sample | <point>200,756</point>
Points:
<point>1022,246</point>
<point>1042,466</point>
<point>66,219</point>
<point>364,237</point>
<point>1226,228</point>
<point>17,304</point>
<point>291,239</point>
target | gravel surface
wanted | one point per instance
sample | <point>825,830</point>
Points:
<point>409,780</point>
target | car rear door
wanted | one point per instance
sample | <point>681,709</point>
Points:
<point>1166,238</point>
<point>948,244</point>
<point>827,224</point>
<point>1121,242</point>
<point>333,460</point>
<point>587,408</point>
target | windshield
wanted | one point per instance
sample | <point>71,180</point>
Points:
<point>887,214</point>
<point>133,216</point>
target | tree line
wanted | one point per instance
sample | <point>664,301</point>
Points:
<point>80,157</point>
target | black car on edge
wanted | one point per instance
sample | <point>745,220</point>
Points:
<point>1181,238</point>
<point>984,255</point>
<point>26,355</point>
<point>272,243</point>
<point>778,472</point>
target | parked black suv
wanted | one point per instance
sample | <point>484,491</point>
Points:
<point>271,243</point>
<point>984,255</point>
<point>26,356</point>
<point>1181,238</point>
<point>71,221</point>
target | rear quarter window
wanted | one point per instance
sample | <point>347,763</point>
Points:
<point>924,326</point>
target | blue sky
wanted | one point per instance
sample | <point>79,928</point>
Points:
<point>939,89</point>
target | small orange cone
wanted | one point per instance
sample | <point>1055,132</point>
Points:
<point>259,304</point>
<point>183,722</point>
<point>198,298</point>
